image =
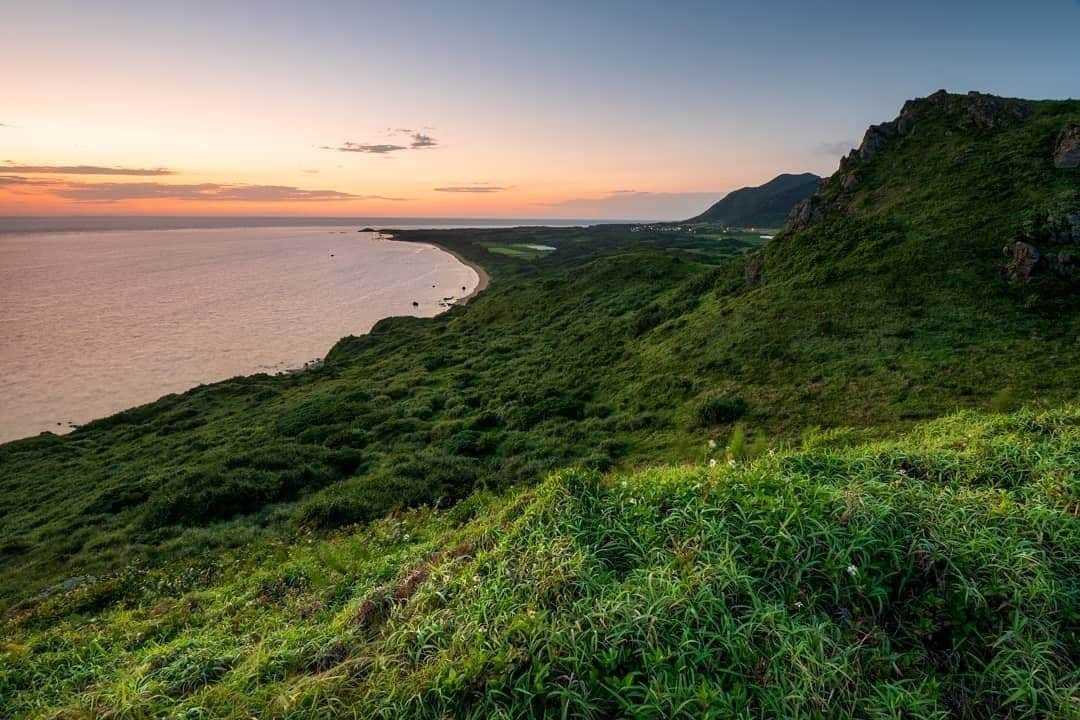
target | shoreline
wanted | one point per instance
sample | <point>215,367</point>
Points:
<point>483,278</point>
<point>481,284</point>
<point>66,426</point>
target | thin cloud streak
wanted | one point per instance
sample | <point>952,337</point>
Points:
<point>83,170</point>
<point>471,189</point>
<point>107,192</point>
<point>18,180</point>
<point>420,141</point>
<point>352,147</point>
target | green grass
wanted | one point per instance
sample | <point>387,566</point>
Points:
<point>890,311</point>
<point>521,250</point>
<point>937,575</point>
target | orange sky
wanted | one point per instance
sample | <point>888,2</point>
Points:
<point>249,116</point>
<point>129,163</point>
<point>472,109</point>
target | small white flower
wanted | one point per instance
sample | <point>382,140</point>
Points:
<point>712,444</point>
<point>798,603</point>
<point>852,570</point>
<point>731,463</point>
<point>622,484</point>
<point>712,462</point>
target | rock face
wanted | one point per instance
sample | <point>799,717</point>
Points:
<point>989,112</point>
<point>973,114</point>
<point>1023,257</point>
<point>875,138</point>
<point>802,215</point>
<point>1063,226</point>
<point>754,272</point>
<point>1056,232</point>
<point>1067,152</point>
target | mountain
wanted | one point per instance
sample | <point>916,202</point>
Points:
<point>766,205</point>
<point>517,509</point>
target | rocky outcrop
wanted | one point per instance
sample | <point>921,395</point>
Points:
<point>1067,150</point>
<point>802,215</point>
<point>754,271</point>
<point>1062,227</point>
<point>1056,232</point>
<point>974,111</point>
<point>989,112</point>
<point>1023,257</point>
<point>875,138</point>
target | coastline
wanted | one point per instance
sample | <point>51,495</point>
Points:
<point>483,281</point>
<point>62,420</point>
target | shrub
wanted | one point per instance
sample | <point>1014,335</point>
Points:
<point>720,409</point>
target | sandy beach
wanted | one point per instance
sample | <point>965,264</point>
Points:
<point>484,278</point>
<point>480,273</point>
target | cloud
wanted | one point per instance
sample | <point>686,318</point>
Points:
<point>361,148</point>
<point>637,205</point>
<point>16,180</point>
<point>471,189</point>
<point>832,149</point>
<point>107,192</point>
<point>82,170</point>
<point>420,141</point>
<point>310,172</point>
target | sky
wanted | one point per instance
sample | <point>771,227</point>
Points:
<point>622,110</point>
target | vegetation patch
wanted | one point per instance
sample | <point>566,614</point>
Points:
<point>839,581</point>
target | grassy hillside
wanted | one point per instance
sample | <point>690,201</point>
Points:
<point>933,576</point>
<point>765,206</point>
<point>882,305</point>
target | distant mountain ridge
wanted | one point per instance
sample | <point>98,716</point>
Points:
<point>766,205</point>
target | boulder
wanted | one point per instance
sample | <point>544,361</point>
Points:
<point>1023,257</point>
<point>1067,150</point>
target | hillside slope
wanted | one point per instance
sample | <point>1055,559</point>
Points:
<point>765,205</point>
<point>934,576</point>
<point>887,301</point>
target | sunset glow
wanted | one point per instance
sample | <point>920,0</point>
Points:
<point>368,110</point>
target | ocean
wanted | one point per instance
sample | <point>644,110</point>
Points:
<point>99,315</point>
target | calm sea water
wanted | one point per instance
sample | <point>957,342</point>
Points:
<point>95,322</point>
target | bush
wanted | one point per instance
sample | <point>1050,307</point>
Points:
<point>720,409</point>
